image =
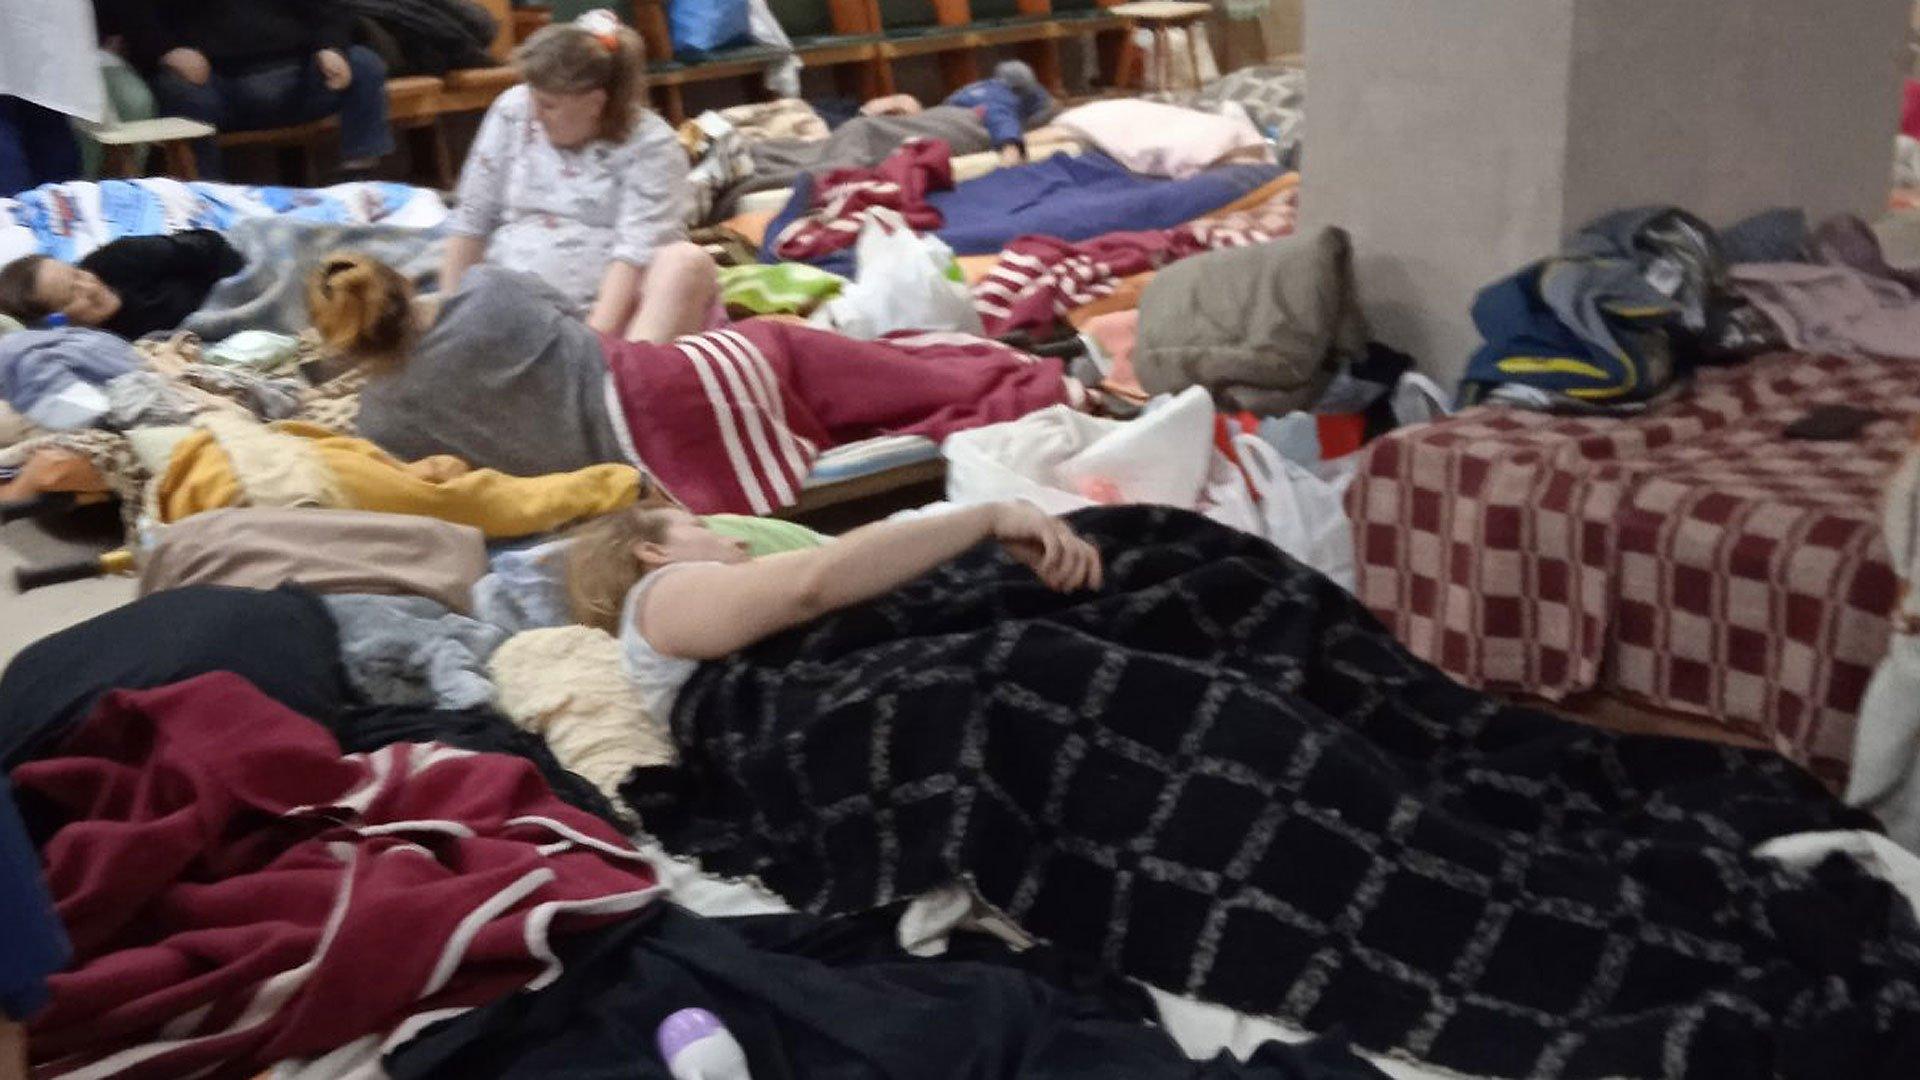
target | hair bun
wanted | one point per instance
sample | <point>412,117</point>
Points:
<point>361,306</point>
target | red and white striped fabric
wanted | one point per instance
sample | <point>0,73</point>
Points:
<point>731,421</point>
<point>238,893</point>
<point>1040,279</point>
<point>843,200</point>
<point>1694,559</point>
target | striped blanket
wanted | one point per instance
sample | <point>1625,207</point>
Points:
<point>842,200</point>
<point>1040,279</point>
<point>734,420</point>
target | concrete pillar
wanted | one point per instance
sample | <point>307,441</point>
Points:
<point>1460,139</point>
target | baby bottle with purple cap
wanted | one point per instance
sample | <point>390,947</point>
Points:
<point>697,1046</point>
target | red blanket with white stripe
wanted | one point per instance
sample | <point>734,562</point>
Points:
<point>239,893</point>
<point>731,421</point>
<point>1040,279</point>
<point>844,198</point>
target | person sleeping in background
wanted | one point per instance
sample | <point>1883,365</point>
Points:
<point>132,287</point>
<point>1008,104</point>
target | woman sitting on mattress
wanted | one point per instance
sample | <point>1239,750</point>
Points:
<point>499,374</point>
<point>572,180</point>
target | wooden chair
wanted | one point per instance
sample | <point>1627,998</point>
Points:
<point>473,89</point>
<point>1029,27</point>
<point>1094,19</point>
<point>172,136</point>
<point>939,28</point>
<point>413,106</point>
<point>836,34</point>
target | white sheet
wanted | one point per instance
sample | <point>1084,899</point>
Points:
<point>49,55</point>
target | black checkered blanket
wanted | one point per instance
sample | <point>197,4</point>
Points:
<point>1222,776</point>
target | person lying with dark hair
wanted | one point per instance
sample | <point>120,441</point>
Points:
<point>131,287</point>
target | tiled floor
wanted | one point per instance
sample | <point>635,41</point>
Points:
<point>26,618</point>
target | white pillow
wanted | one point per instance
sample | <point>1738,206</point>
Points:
<point>1166,140</point>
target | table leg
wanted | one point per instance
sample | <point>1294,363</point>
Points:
<point>177,155</point>
<point>1193,54</point>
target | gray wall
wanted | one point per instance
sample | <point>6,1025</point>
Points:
<point>1458,140</point>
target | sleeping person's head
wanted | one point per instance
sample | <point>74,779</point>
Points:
<point>363,309</point>
<point>608,556</point>
<point>1035,102</point>
<point>36,286</point>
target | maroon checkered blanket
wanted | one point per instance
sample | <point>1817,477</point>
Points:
<point>1695,558</point>
<point>1039,279</point>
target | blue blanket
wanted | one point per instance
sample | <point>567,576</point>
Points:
<point>1073,198</point>
<point>69,220</point>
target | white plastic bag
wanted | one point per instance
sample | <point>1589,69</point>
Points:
<point>904,282</point>
<point>1302,514</point>
<point>1016,459</point>
<point>1265,495</point>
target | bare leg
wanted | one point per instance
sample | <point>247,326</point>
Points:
<point>13,1050</point>
<point>677,293</point>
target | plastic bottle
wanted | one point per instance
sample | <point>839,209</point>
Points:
<point>697,1046</point>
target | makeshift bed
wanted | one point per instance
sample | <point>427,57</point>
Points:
<point>1067,197</point>
<point>1695,925</point>
<point>69,220</point>
<point>1695,558</point>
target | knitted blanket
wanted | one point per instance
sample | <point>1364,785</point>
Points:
<point>1222,776</point>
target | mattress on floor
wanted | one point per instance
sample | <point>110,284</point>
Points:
<point>1694,558</point>
<point>870,457</point>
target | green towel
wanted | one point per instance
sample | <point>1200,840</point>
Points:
<point>764,536</point>
<point>783,288</point>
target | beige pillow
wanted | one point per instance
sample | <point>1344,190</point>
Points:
<point>568,685</point>
<point>1165,140</point>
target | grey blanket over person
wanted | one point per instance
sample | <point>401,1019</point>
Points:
<point>1264,328</point>
<point>270,294</point>
<point>863,142</point>
<point>411,651</point>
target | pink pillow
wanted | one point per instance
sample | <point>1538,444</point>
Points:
<point>1165,140</point>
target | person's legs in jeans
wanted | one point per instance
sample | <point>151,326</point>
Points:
<point>297,94</point>
<point>365,134</point>
<point>36,146</point>
<point>211,103</point>
<point>16,172</point>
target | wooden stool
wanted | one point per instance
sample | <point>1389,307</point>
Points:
<point>171,135</point>
<point>1161,18</point>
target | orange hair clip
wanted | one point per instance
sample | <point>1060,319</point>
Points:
<point>604,25</point>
